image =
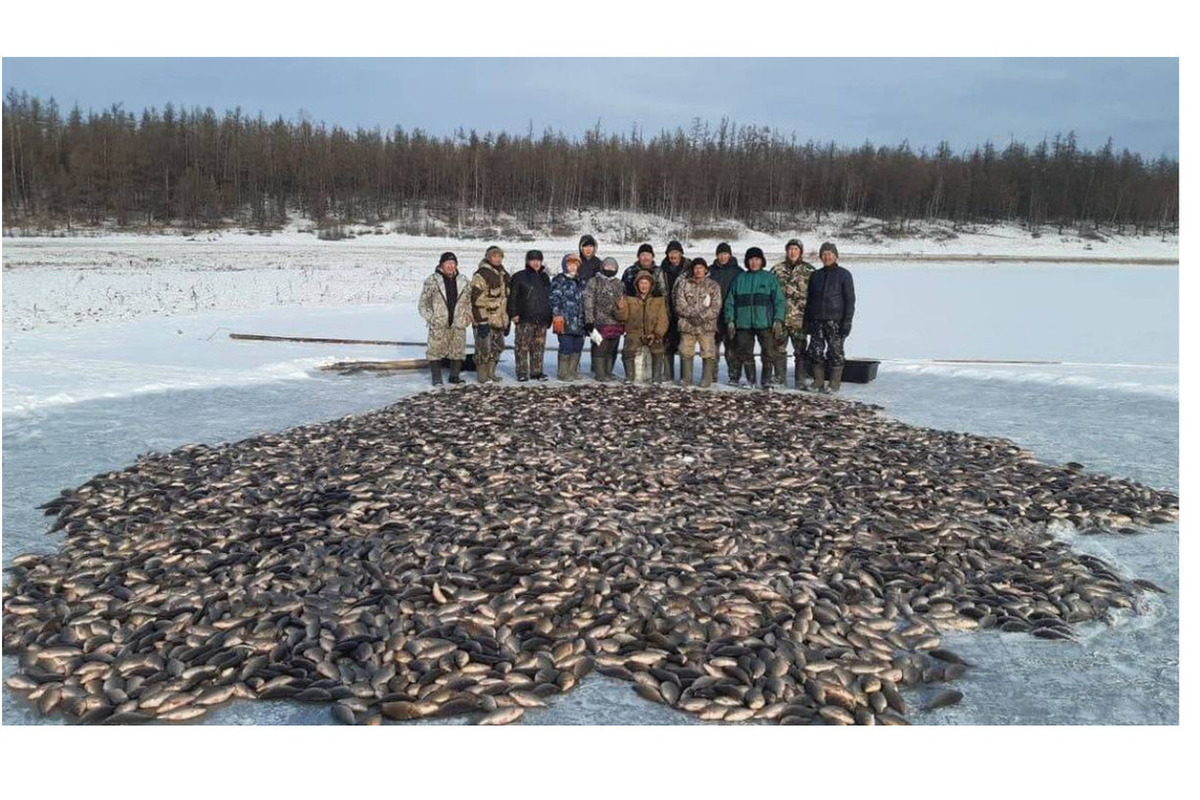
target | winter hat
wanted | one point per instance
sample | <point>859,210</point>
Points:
<point>699,262</point>
<point>493,249</point>
<point>570,257</point>
<point>646,276</point>
<point>533,254</point>
<point>585,240</point>
<point>830,246</point>
<point>724,247</point>
<point>794,242</point>
<point>447,256</point>
<point>609,265</point>
<point>646,248</point>
<point>674,245</point>
<point>755,252</point>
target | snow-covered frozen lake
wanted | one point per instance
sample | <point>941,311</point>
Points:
<point>82,399</point>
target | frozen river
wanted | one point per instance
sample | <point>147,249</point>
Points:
<point>78,401</point>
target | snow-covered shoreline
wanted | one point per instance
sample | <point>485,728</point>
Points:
<point>67,281</point>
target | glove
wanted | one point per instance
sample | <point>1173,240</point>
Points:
<point>777,328</point>
<point>845,328</point>
<point>483,331</point>
<point>588,328</point>
<point>731,329</point>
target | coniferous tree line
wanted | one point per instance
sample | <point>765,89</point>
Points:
<point>197,168</point>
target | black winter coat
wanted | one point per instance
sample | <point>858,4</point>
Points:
<point>529,297</point>
<point>830,295</point>
<point>725,275</point>
<point>589,267</point>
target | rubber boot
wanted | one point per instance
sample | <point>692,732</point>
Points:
<point>708,368</point>
<point>564,366</point>
<point>604,371</point>
<point>819,378</point>
<point>835,379</point>
<point>575,365</point>
<point>779,372</point>
<point>492,376</point>
<point>670,367</point>
<point>751,373</point>
<point>801,374</point>
<point>455,371</point>
<point>658,367</point>
<point>435,369</point>
<point>630,364</point>
<point>733,367</point>
<point>481,372</point>
<point>768,370</point>
<point>685,370</point>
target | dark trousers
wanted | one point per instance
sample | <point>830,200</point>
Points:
<point>569,344</point>
<point>606,349</point>
<point>745,345</point>
<point>732,360</point>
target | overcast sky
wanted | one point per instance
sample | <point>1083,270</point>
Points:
<point>964,101</point>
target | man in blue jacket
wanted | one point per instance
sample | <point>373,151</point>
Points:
<point>828,314</point>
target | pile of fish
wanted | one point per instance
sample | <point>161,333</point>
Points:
<point>740,556</point>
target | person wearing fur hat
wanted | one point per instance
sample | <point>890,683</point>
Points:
<point>724,270</point>
<point>529,309</point>
<point>793,274</point>
<point>829,311</point>
<point>600,298</point>
<point>645,318</point>
<point>489,307</point>
<point>445,305</point>
<point>755,310</point>
<point>566,306</point>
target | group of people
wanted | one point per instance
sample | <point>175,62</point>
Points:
<point>665,309</point>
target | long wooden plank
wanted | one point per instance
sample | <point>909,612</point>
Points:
<point>259,337</point>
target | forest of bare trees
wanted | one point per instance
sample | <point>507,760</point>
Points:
<point>201,169</point>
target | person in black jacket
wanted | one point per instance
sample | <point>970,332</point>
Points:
<point>529,309</point>
<point>828,312</point>
<point>589,262</point>
<point>674,266</point>
<point>724,271</point>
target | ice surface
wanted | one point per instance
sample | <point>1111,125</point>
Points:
<point>88,399</point>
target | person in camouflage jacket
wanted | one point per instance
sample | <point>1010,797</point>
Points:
<point>445,305</point>
<point>697,307</point>
<point>489,307</point>
<point>793,274</point>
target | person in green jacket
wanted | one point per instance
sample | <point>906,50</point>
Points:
<point>755,308</point>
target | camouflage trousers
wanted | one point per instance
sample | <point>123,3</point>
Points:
<point>530,348</point>
<point>689,341</point>
<point>799,340</point>
<point>825,345</point>
<point>489,348</point>
<point>448,343</point>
